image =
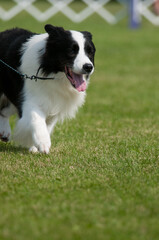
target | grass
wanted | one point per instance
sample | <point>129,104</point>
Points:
<point>100,180</point>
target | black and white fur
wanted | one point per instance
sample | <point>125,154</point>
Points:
<point>66,56</point>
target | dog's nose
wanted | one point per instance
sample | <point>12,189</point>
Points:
<point>87,67</point>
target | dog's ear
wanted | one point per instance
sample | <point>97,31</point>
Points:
<point>52,30</point>
<point>87,34</point>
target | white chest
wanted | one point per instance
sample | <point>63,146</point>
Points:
<point>53,98</point>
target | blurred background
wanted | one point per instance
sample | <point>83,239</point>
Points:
<point>112,11</point>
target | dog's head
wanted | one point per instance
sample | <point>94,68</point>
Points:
<point>70,52</point>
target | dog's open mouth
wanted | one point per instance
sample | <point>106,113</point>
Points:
<point>76,80</point>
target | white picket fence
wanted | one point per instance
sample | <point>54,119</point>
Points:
<point>92,6</point>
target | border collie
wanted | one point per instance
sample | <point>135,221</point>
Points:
<point>65,56</point>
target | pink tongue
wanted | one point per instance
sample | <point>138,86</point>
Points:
<point>79,83</point>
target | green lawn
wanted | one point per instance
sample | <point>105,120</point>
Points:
<point>101,178</point>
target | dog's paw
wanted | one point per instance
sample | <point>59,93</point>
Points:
<point>33,149</point>
<point>44,148</point>
<point>4,137</point>
<point>5,131</point>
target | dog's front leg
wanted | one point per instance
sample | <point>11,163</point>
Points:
<point>31,131</point>
<point>50,123</point>
<point>40,134</point>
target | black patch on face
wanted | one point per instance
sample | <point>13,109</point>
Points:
<point>61,50</point>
